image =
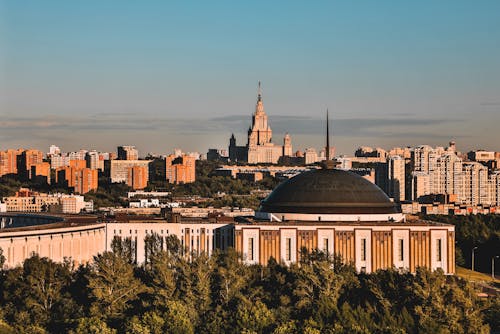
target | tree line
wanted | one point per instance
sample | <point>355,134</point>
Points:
<point>174,292</point>
<point>471,231</point>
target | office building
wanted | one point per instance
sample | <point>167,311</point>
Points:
<point>128,153</point>
<point>180,169</point>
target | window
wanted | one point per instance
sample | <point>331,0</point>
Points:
<point>400,250</point>
<point>363,249</point>
<point>288,250</point>
<point>250,249</point>
<point>325,245</point>
<point>438,249</point>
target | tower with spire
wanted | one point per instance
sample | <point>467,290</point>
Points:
<point>260,148</point>
<point>328,163</point>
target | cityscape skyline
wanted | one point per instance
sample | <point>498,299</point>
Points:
<point>109,74</point>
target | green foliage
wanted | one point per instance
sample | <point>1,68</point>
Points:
<point>92,325</point>
<point>189,293</point>
<point>2,258</point>
<point>36,294</point>
<point>481,231</point>
<point>113,286</point>
<point>108,194</point>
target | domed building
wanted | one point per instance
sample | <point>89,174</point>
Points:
<point>328,195</point>
<point>341,213</point>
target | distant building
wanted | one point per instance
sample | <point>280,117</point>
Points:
<point>137,177</point>
<point>54,150</point>
<point>40,172</point>
<point>128,153</point>
<point>78,155</point>
<point>368,152</point>
<point>27,159</point>
<point>58,161</point>
<point>29,201</point>
<point>86,180</point>
<point>94,160</point>
<point>180,169</point>
<point>310,156</point>
<point>481,156</point>
<point>396,177</point>
<point>78,163</point>
<point>214,154</point>
<point>259,148</point>
<point>145,203</point>
<point>8,161</point>
<point>119,169</point>
<point>81,180</point>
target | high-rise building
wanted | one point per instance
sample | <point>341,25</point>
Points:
<point>54,150</point>
<point>82,180</point>
<point>442,172</point>
<point>78,155</point>
<point>27,159</point>
<point>310,156</point>
<point>40,172</point>
<point>396,177</point>
<point>180,169</point>
<point>78,163</point>
<point>95,160</point>
<point>119,169</point>
<point>137,177</point>
<point>128,153</point>
<point>9,161</point>
<point>260,148</point>
<point>86,180</point>
<point>57,161</point>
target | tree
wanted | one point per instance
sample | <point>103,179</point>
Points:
<point>125,247</point>
<point>113,286</point>
<point>153,245</point>
<point>92,325</point>
<point>2,258</point>
<point>177,319</point>
<point>39,290</point>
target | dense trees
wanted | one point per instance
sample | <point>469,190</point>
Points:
<point>481,231</point>
<point>179,293</point>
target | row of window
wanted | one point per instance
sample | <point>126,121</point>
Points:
<point>161,231</point>
<point>326,248</point>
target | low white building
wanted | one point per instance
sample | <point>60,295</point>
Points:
<point>145,203</point>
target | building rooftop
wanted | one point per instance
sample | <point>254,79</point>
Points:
<point>328,191</point>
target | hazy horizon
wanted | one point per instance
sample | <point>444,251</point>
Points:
<point>160,76</point>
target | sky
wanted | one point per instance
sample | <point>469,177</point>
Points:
<point>162,74</point>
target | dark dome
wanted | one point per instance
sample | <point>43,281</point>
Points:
<point>328,191</point>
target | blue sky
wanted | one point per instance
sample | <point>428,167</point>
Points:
<point>161,74</point>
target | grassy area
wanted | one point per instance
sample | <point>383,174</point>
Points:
<point>475,276</point>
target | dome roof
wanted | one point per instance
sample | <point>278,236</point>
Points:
<point>328,191</point>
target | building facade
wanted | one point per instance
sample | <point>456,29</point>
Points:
<point>128,153</point>
<point>180,168</point>
<point>260,148</point>
<point>119,169</point>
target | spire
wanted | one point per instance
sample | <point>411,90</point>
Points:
<point>328,164</point>
<point>259,93</point>
<point>327,137</point>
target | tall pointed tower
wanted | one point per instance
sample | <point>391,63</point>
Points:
<point>260,133</point>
